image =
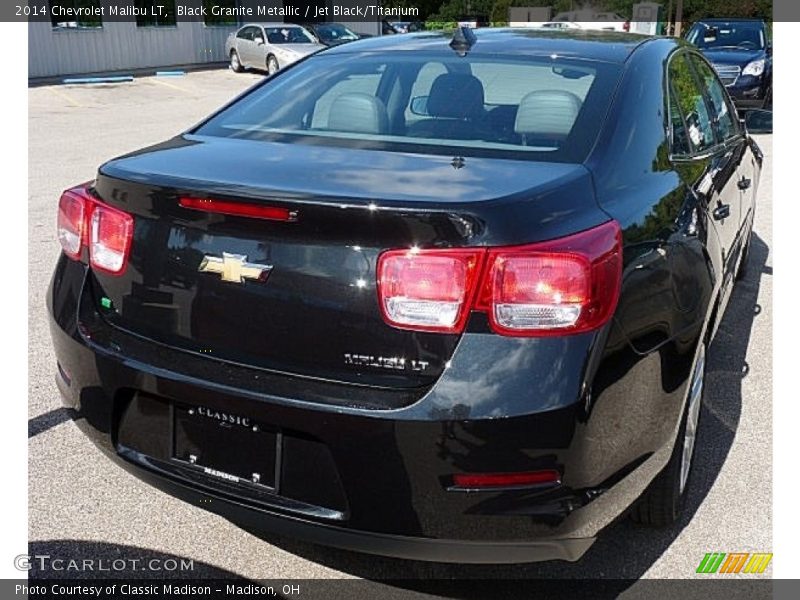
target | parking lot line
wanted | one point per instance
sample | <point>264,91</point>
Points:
<point>170,85</point>
<point>65,96</point>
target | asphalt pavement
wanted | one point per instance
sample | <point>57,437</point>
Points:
<point>82,505</point>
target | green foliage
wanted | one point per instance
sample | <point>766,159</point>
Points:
<point>426,7</point>
<point>497,10</point>
<point>218,20</point>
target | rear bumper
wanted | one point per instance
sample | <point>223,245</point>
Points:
<point>398,546</point>
<point>393,467</point>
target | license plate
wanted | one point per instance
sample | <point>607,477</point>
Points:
<point>225,446</point>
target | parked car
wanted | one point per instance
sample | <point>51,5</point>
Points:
<point>407,26</point>
<point>473,21</point>
<point>741,53</point>
<point>561,25</point>
<point>269,47</point>
<point>594,21</point>
<point>333,34</point>
<point>445,298</point>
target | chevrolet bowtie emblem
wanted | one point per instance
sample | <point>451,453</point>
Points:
<point>234,268</point>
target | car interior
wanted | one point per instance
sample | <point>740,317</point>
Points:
<point>456,109</point>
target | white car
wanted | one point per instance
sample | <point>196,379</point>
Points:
<point>560,25</point>
<point>269,47</point>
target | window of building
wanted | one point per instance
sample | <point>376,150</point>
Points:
<point>90,14</point>
<point>155,13</point>
<point>219,20</point>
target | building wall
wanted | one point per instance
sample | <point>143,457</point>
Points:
<point>120,46</point>
<point>528,16</point>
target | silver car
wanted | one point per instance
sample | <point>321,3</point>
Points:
<point>269,47</point>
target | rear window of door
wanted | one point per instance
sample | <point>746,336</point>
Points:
<point>246,33</point>
<point>721,109</point>
<point>692,105</point>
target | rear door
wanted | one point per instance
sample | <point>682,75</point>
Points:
<point>730,131</point>
<point>713,163</point>
<point>244,45</point>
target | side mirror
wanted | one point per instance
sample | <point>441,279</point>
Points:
<point>419,106</point>
<point>259,40</point>
<point>758,121</point>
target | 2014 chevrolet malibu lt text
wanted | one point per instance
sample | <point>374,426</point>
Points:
<point>429,296</point>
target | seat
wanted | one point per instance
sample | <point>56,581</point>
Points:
<point>546,116</point>
<point>358,113</point>
<point>456,105</point>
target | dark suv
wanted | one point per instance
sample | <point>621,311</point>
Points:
<point>741,53</point>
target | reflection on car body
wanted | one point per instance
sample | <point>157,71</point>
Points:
<point>741,53</point>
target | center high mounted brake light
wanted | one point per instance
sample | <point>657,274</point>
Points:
<point>563,286</point>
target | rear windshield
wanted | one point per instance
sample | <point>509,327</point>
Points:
<point>539,108</point>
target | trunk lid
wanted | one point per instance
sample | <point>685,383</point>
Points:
<point>316,312</point>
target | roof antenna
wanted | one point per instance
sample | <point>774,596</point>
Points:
<point>463,40</point>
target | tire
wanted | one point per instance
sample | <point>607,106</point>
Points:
<point>662,502</point>
<point>272,65</point>
<point>236,64</point>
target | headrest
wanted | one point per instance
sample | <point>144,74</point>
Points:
<point>358,113</point>
<point>456,96</point>
<point>547,112</point>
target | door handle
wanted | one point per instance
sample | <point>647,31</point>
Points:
<point>723,211</point>
<point>744,183</point>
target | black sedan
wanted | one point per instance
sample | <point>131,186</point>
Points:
<point>332,34</point>
<point>741,53</point>
<point>426,296</point>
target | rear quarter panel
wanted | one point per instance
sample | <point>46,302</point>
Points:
<point>671,260</point>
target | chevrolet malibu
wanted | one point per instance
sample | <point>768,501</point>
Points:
<point>443,297</point>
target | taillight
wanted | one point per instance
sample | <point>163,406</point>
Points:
<point>110,239</point>
<point>428,290</point>
<point>568,285</point>
<point>71,223</point>
<point>564,286</point>
<point>85,221</point>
